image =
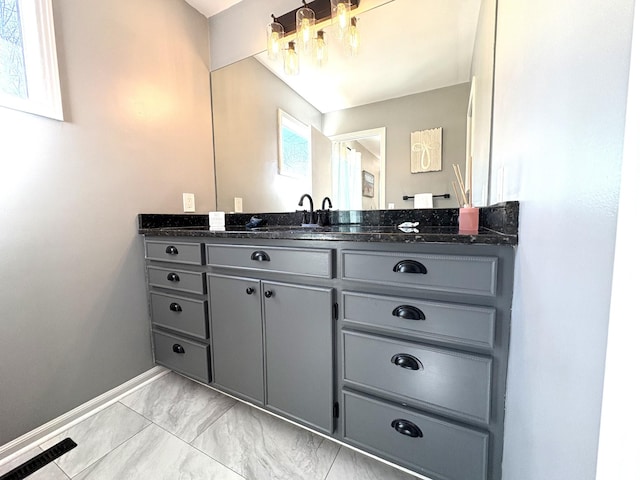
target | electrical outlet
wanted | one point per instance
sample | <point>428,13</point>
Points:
<point>188,202</point>
<point>237,204</point>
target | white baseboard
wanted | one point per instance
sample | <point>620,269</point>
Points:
<point>50,429</point>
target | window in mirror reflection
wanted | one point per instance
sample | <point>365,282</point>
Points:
<point>294,147</point>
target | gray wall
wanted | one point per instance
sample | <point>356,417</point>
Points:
<point>137,134</point>
<point>444,107</point>
<point>246,98</point>
<point>619,442</point>
<point>560,88</point>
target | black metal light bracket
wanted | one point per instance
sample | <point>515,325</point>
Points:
<point>322,9</point>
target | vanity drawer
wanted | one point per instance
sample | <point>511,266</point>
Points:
<point>312,262</point>
<point>184,315</point>
<point>450,382</point>
<point>177,252</point>
<point>447,322</point>
<point>182,280</point>
<point>184,356</point>
<point>444,450</point>
<point>447,273</point>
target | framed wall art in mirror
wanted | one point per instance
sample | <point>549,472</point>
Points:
<point>367,184</point>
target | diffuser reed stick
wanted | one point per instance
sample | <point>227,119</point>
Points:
<point>455,190</point>
<point>456,170</point>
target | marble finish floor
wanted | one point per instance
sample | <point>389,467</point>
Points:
<point>174,428</point>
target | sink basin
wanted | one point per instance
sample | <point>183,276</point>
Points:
<point>188,227</point>
<point>280,228</point>
<point>347,228</point>
<point>352,229</point>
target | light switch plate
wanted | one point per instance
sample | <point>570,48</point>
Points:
<point>188,202</point>
<point>237,204</point>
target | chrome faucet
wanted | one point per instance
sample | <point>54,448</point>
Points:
<point>311,212</point>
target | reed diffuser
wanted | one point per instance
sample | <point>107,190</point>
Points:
<point>468,216</point>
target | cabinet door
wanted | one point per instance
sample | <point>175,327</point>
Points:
<point>236,334</point>
<point>299,352</point>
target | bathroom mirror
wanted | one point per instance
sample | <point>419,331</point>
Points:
<point>422,65</point>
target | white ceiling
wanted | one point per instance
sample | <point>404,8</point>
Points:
<point>408,46</point>
<point>209,8</point>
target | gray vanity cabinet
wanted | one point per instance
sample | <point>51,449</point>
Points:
<point>298,335</point>
<point>236,335</point>
<point>272,335</point>
<point>423,345</point>
<point>397,349</point>
<point>178,307</point>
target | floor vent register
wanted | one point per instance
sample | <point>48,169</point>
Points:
<point>40,460</point>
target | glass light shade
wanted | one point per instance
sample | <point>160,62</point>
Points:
<point>341,16</point>
<point>275,35</point>
<point>305,29</point>
<point>321,51</point>
<point>291,61</point>
<point>352,40</point>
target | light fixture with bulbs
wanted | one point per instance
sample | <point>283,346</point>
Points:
<point>275,35</point>
<point>305,29</point>
<point>291,60</point>
<point>294,35</point>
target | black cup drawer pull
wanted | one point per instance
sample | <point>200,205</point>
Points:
<point>408,312</point>
<point>171,250</point>
<point>175,307</point>
<point>173,277</point>
<point>405,427</point>
<point>177,348</point>
<point>409,266</point>
<point>407,361</point>
<point>260,256</point>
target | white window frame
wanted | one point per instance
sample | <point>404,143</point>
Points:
<point>41,62</point>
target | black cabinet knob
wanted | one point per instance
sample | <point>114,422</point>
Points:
<point>173,277</point>
<point>409,266</point>
<point>260,256</point>
<point>407,361</point>
<point>177,348</point>
<point>405,427</point>
<point>175,307</point>
<point>408,312</point>
<point>268,294</point>
<point>250,290</point>
<point>171,250</point>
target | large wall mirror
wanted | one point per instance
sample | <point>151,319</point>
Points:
<point>422,65</point>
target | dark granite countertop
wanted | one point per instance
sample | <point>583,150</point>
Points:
<point>498,226</point>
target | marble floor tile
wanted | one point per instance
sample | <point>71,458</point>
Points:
<point>350,464</point>
<point>181,406</point>
<point>154,454</point>
<point>96,436</point>
<point>262,447</point>
<point>48,472</point>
